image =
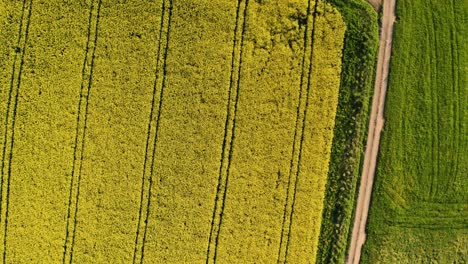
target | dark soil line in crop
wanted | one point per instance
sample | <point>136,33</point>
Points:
<point>12,141</point>
<point>78,119</point>
<point>137,235</point>
<point>226,131</point>
<point>301,84</point>
<point>161,96</point>
<point>83,136</point>
<point>233,131</point>
<point>314,16</point>
<point>7,114</point>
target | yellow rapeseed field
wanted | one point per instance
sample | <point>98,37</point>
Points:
<point>165,131</point>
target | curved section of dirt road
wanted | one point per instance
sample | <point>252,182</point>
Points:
<point>376,124</point>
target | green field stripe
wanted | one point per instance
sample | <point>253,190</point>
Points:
<point>298,166</point>
<point>429,221</point>
<point>281,254</point>
<point>461,167</point>
<point>229,131</point>
<point>436,113</point>
<point>422,222</point>
<point>221,188</point>
<point>460,92</point>
<point>11,133</point>
<point>81,124</point>
<point>434,105</point>
<point>151,139</point>
<point>361,42</point>
<point>433,100</point>
<point>455,111</point>
<point>161,96</point>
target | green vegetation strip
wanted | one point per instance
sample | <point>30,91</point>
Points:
<point>357,80</point>
<point>419,205</point>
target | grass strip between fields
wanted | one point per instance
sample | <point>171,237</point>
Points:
<point>357,79</point>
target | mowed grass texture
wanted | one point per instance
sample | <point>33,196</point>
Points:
<point>166,131</point>
<point>419,208</point>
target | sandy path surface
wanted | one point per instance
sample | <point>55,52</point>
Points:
<point>376,124</point>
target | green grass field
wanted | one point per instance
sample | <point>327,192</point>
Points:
<point>419,207</point>
<point>166,131</point>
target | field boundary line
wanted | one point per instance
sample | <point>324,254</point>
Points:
<point>86,83</point>
<point>376,123</point>
<point>299,110</point>
<point>13,121</point>
<point>229,133</point>
<point>157,97</point>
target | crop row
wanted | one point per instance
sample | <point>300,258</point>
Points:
<point>190,154</point>
<point>80,134</point>
<point>9,122</point>
<point>153,127</point>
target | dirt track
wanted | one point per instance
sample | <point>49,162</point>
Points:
<point>376,124</point>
